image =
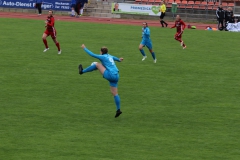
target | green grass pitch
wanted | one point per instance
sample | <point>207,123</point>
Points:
<point>184,107</point>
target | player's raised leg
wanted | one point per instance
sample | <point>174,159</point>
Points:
<point>92,67</point>
<point>44,38</point>
<point>142,51</point>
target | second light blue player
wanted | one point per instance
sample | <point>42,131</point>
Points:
<point>146,41</point>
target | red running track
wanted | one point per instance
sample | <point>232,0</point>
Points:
<point>96,20</point>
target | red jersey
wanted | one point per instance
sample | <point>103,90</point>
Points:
<point>50,24</point>
<point>180,25</point>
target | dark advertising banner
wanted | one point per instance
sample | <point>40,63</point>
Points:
<point>29,4</point>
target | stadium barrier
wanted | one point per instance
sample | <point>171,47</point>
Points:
<point>152,11</point>
<point>127,8</point>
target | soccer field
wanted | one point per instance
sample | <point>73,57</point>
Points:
<point>184,107</point>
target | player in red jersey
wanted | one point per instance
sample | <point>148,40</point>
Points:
<point>50,30</point>
<point>180,25</point>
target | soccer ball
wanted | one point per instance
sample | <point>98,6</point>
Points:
<point>93,63</point>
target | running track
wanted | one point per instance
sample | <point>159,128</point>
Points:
<point>95,20</point>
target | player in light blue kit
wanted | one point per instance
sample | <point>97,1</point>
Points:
<point>146,41</point>
<point>108,69</point>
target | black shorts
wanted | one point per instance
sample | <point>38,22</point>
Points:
<point>73,5</point>
<point>81,5</point>
<point>162,15</point>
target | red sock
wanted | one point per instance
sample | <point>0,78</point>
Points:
<point>58,46</point>
<point>45,43</point>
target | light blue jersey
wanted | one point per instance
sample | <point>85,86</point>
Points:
<point>146,41</point>
<point>110,73</point>
<point>146,33</point>
<point>107,61</point>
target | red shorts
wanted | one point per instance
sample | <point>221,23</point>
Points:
<point>52,33</point>
<point>178,35</point>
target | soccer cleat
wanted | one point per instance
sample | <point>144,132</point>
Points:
<point>118,113</point>
<point>182,43</point>
<point>59,52</point>
<point>155,60</point>
<point>184,47</point>
<point>80,69</point>
<point>45,50</point>
<point>144,57</point>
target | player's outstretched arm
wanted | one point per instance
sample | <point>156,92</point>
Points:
<point>173,26</point>
<point>90,53</point>
<point>117,59</point>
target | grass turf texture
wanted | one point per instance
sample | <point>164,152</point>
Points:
<point>184,107</point>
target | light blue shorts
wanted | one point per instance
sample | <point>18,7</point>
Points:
<point>147,43</point>
<point>112,78</point>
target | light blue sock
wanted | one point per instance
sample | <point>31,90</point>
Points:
<point>117,101</point>
<point>90,68</point>
<point>142,51</point>
<point>153,55</point>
